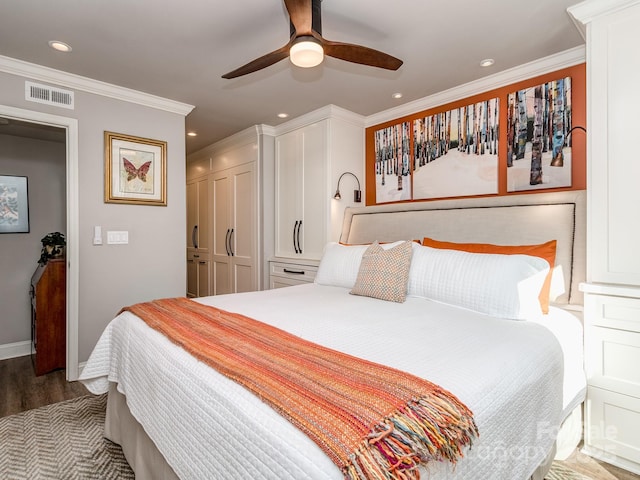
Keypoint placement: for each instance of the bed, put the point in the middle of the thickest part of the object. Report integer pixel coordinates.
(175, 417)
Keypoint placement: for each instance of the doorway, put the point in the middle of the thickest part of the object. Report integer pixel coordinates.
(70, 125)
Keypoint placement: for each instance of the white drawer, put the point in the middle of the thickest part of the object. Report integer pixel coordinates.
(613, 423)
(293, 271)
(613, 360)
(281, 282)
(197, 257)
(613, 312)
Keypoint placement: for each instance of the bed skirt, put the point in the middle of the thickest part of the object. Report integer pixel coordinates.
(142, 454)
(148, 463)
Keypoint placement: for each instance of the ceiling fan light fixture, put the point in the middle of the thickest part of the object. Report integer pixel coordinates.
(306, 52)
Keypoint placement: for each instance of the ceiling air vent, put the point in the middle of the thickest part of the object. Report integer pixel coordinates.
(37, 92)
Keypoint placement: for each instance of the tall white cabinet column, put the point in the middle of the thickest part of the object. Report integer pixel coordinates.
(198, 234)
(612, 290)
(311, 152)
(235, 172)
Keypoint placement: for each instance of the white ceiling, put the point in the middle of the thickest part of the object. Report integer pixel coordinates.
(180, 49)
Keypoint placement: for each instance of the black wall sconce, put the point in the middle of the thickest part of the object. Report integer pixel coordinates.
(357, 194)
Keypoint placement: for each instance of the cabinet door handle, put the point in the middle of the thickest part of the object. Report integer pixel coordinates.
(194, 236)
(295, 272)
(298, 236)
(202, 262)
(295, 227)
(226, 242)
(231, 243)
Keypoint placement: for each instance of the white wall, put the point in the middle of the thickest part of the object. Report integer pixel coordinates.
(152, 265)
(43, 163)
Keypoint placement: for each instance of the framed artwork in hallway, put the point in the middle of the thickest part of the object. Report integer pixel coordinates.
(14, 204)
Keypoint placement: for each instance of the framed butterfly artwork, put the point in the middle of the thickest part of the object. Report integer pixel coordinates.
(135, 170)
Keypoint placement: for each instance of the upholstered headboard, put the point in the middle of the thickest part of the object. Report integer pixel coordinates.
(506, 220)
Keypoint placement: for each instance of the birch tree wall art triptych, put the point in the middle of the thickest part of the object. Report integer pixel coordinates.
(516, 138)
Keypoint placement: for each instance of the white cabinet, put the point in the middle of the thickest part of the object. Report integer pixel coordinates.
(234, 230)
(612, 291)
(282, 274)
(612, 343)
(614, 103)
(230, 197)
(198, 274)
(310, 155)
(198, 234)
(300, 187)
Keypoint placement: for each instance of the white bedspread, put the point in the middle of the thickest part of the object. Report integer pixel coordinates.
(509, 373)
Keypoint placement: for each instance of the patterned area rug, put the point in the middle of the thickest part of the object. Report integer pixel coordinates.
(64, 441)
(560, 472)
(61, 441)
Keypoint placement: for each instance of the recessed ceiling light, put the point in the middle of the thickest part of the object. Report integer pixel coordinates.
(60, 46)
(283, 115)
(397, 95)
(192, 134)
(487, 62)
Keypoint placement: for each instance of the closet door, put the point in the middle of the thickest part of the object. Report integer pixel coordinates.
(192, 213)
(221, 183)
(198, 227)
(315, 199)
(243, 228)
(198, 214)
(234, 230)
(289, 193)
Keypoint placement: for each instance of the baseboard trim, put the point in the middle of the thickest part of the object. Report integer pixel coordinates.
(13, 350)
(81, 366)
(612, 459)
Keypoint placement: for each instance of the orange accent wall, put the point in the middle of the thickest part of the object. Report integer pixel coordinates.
(578, 141)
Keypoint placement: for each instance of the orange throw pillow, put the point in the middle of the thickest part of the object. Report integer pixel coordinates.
(547, 251)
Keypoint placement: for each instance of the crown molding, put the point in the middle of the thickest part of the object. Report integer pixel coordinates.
(247, 136)
(565, 59)
(77, 82)
(264, 129)
(328, 111)
(585, 12)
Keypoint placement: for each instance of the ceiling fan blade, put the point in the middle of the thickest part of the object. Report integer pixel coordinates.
(260, 63)
(300, 15)
(359, 54)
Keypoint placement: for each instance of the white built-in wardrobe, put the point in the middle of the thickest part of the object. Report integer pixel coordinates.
(612, 290)
(260, 205)
(226, 206)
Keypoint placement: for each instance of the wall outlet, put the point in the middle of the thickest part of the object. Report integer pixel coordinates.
(118, 238)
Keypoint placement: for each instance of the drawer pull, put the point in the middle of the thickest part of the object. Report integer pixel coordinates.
(295, 272)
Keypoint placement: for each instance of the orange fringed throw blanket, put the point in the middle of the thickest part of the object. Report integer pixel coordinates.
(373, 421)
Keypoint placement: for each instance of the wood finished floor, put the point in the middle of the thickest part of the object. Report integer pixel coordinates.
(596, 470)
(21, 390)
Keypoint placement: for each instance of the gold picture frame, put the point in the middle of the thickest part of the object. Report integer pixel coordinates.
(135, 170)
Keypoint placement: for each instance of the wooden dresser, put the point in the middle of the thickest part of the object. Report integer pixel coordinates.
(48, 316)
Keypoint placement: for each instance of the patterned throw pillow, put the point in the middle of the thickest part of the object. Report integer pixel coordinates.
(384, 273)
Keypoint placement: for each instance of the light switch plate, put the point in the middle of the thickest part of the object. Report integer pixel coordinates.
(117, 237)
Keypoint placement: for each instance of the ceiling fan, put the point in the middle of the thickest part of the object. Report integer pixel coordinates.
(307, 47)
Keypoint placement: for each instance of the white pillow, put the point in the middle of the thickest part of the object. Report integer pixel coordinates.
(340, 263)
(505, 286)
